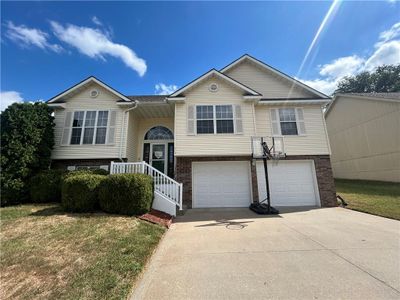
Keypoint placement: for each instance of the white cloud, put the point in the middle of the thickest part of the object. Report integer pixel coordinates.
(27, 37)
(390, 34)
(163, 89)
(326, 86)
(96, 21)
(386, 52)
(9, 97)
(342, 66)
(97, 44)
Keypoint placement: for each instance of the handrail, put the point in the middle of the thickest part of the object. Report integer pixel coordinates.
(163, 184)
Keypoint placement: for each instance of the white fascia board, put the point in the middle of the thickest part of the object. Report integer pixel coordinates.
(125, 103)
(252, 98)
(280, 102)
(176, 99)
(57, 105)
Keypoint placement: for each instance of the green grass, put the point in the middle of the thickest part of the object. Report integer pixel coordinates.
(374, 197)
(47, 254)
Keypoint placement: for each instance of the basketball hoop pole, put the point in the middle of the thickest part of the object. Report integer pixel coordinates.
(265, 158)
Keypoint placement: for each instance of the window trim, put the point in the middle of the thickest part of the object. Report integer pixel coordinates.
(83, 127)
(214, 119)
(297, 122)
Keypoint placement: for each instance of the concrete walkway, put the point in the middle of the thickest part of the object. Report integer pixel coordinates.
(329, 253)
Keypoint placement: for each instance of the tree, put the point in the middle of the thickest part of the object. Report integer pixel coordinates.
(27, 137)
(384, 79)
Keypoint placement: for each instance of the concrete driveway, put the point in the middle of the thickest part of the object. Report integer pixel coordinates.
(328, 253)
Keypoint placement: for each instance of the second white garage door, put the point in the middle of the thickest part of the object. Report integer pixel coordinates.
(221, 184)
(292, 183)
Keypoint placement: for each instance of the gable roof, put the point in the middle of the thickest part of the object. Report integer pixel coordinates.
(84, 83)
(214, 72)
(273, 70)
(386, 97)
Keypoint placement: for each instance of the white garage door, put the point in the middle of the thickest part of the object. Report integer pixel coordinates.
(221, 184)
(292, 183)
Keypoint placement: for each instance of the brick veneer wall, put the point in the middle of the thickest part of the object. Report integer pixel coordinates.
(64, 163)
(323, 171)
(322, 164)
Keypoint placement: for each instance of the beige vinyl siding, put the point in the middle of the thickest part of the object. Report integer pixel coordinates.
(265, 82)
(82, 101)
(213, 144)
(131, 146)
(365, 139)
(135, 144)
(314, 142)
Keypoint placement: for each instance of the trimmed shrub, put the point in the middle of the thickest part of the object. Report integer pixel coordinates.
(46, 186)
(128, 194)
(79, 193)
(86, 171)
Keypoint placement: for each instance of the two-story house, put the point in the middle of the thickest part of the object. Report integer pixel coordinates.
(201, 135)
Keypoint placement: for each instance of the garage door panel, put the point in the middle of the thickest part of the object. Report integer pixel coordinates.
(291, 182)
(221, 184)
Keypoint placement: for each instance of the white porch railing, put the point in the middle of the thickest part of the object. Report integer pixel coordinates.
(166, 186)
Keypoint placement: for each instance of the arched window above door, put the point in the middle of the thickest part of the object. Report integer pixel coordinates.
(159, 133)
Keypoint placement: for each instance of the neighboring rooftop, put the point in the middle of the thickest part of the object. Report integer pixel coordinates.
(375, 95)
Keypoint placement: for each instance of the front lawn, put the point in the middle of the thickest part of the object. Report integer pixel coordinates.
(48, 254)
(374, 197)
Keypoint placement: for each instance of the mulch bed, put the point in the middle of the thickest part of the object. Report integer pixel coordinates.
(158, 217)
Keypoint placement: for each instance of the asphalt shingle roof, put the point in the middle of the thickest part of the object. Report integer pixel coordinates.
(379, 95)
(148, 98)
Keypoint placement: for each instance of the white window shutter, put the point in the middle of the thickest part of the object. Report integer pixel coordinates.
(301, 128)
(275, 124)
(111, 127)
(238, 120)
(67, 128)
(191, 120)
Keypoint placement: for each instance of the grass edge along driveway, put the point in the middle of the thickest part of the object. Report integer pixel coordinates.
(373, 197)
(48, 254)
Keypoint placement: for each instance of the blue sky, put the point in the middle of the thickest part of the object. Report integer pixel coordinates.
(138, 46)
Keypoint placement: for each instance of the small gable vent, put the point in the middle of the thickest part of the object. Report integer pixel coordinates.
(94, 93)
(213, 87)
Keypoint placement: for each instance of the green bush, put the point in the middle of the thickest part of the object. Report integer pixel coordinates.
(79, 193)
(128, 194)
(46, 186)
(26, 143)
(86, 171)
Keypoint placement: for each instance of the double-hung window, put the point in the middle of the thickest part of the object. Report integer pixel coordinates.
(224, 118)
(205, 119)
(77, 125)
(287, 119)
(214, 119)
(89, 127)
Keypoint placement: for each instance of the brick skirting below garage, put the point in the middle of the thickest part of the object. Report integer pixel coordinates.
(322, 164)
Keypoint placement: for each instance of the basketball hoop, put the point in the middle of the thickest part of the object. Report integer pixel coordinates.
(266, 148)
(270, 147)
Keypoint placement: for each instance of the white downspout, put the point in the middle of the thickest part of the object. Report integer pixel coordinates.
(122, 130)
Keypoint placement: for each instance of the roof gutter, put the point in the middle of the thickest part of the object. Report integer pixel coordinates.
(279, 102)
(123, 131)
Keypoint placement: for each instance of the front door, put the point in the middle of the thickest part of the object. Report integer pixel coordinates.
(158, 157)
